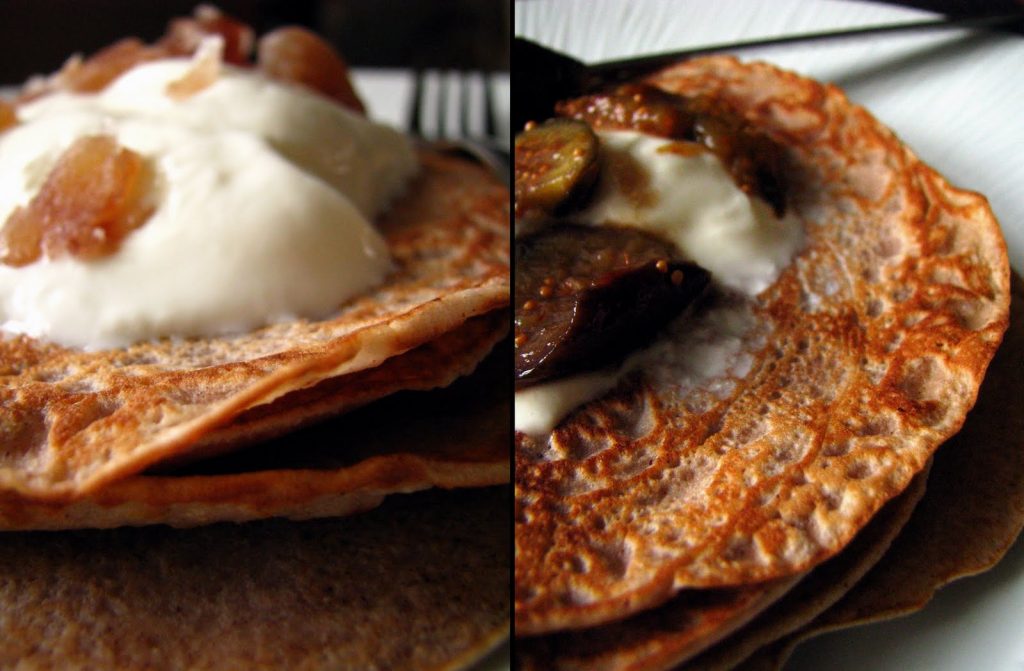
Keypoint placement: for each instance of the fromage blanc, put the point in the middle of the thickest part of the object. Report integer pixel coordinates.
(262, 198)
(686, 195)
(690, 198)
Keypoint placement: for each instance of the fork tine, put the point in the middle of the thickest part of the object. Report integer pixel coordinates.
(465, 93)
(443, 94)
(490, 124)
(416, 108)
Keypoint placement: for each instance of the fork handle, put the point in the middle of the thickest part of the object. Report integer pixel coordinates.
(627, 68)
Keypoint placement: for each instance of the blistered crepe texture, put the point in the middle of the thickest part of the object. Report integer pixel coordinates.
(861, 359)
(972, 511)
(972, 514)
(413, 439)
(71, 421)
(434, 364)
(822, 587)
(420, 583)
(694, 620)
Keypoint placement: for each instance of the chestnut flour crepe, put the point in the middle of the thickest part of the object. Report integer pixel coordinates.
(694, 620)
(865, 355)
(420, 437)
(73, 421)
(420, 583)
(972, 514)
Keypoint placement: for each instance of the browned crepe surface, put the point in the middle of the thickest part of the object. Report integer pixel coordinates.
(971, 515)
(434, 364)
(72, 421)
(451, 437)
(825, 585)
(694, 620)
(421, 583)
(656, 639)
(868, 353)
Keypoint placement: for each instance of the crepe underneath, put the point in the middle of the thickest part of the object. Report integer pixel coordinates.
(456, 436)
(972, 514)
(73, 421)
(681, 630)
(374, 591)
(969, 516)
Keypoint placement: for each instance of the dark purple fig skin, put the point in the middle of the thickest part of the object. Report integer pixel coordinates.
(613, 290)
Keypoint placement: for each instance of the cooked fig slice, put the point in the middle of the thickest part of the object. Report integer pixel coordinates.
(636, 107)
(556, 163)
(753, 159)
(588, 296)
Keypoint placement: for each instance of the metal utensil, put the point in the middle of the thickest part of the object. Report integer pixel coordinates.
(542, 76)
(455, 112)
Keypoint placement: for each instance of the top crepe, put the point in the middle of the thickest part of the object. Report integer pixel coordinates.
(860, 360)
(71, 421)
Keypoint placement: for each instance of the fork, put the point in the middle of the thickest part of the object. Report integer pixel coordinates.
(455, 112)
(542, 75)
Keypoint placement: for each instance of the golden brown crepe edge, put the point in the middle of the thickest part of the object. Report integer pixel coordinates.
(98, 414)
(983, 341)
(937, 546)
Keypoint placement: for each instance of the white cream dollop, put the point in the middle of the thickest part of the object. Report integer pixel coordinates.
(690, 199)
(263, 199)
(687, 197)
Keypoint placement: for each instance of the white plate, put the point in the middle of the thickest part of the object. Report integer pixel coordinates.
(388, 95)
(956, 100)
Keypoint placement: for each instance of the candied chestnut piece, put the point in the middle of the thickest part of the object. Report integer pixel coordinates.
(296, 55)
(184, 35)
(588, 296)
(8, 117)
(556, 164)
(92, 199)
(96, 72)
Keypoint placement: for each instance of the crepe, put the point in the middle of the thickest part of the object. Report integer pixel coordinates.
(970, 514)
(866, 355)
(421, 583)
(451, 437)
(694, 620)
(970, 517)
(73, 421)
(434, 364)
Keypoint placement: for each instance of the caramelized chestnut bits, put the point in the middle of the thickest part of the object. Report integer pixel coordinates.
(587, 296)
(92, 199)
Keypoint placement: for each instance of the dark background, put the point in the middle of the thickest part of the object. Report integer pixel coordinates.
(36, 36)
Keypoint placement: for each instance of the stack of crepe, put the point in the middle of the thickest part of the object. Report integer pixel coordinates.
(663, 527)
(190, 432)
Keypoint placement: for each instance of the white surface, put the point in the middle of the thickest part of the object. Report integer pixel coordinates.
(388, 95)
(957, 101)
